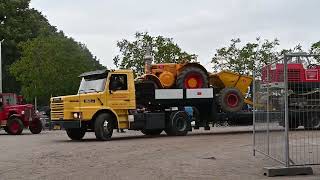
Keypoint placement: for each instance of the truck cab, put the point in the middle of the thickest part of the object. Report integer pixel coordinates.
(103, 94)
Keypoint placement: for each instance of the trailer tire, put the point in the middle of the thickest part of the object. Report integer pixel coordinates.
(35, 127)
(231, 100)
(195, 74)
(76, 133)
(151, 132)
(103, 127)
(178, 124)
(15, 126)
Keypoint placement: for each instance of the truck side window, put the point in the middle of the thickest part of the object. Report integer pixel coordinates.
(118, 82)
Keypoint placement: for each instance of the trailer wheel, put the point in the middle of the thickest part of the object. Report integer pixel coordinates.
(103, 127)
(191, 78)
(15, 126)
(36, 126)
(178, 124)
(231, 100)
(76, 133)
(152, 132)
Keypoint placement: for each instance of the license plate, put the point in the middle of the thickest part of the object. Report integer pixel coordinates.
(56, 127)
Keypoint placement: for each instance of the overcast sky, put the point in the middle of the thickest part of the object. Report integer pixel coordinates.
(198, 26)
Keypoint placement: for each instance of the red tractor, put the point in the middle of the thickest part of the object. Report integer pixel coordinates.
(303, 89)
(15, 115)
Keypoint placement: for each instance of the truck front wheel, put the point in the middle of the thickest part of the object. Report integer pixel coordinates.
(103, 127)
(76, 133)
(178, 124)
(15, 126)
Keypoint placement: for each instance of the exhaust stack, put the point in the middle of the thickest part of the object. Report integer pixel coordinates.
(148, 61)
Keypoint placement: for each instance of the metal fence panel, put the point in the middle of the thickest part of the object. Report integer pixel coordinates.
(269, 111)
(287, 110)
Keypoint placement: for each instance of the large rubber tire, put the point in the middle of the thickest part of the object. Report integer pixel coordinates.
(194, 73)
(231, 100)
(178, 124)
(15, 126)
(103, 127)
(152, 132)
(76, 133)
(36, 126)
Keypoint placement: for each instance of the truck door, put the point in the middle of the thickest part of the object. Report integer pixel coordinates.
(119, 94)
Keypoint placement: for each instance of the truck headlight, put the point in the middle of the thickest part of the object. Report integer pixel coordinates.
(22, 112)
(76, 115)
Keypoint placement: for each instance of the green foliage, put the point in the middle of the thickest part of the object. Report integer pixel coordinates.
(50, 65)
(18, 23)
(243, 59)
(164, 50)
(315, 49)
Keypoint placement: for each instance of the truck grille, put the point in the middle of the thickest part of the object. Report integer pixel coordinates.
(57, 110)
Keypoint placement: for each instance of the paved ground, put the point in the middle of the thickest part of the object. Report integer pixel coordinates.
(200, 155)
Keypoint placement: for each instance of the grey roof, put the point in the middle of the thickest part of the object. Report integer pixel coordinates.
(92, 73)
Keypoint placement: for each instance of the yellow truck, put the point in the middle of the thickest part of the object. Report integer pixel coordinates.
(111, 99)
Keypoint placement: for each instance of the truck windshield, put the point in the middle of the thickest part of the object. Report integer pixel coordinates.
(91, 85)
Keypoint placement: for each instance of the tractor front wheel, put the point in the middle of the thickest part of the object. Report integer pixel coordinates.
(35, 126)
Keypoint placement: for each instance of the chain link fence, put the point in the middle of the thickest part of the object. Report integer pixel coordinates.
(287, 110)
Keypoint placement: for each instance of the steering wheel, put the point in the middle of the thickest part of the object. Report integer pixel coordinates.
(312, 66)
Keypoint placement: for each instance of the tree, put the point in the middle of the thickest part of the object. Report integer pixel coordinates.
(50, 65)
(245, 58)
(18, 23)
(164, 50)
(315, 49)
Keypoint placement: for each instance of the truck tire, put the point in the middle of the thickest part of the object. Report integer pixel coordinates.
(103, 127)
(76, 133)
(15, 126)
(178, 124)
(35, 127)
(231, 100)
(152, 132)
(191, 78)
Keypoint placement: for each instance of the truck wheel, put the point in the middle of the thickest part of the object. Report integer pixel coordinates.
(103, 127)
(191, 78)
(152, 132)
(76, 133)
(178, 124)
(15, 126)
(36, 126)
(231, 100)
